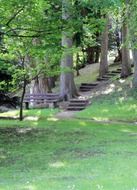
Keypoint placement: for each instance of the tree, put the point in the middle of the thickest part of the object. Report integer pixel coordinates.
(133, 37)
(67, 85)
(126, 64)
(104, 50)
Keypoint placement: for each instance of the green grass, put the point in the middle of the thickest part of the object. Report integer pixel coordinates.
(111, 110)
(87, 78)
(40, 113)
(45, 153)
(32, 118)
(72, 154)
(121, 105)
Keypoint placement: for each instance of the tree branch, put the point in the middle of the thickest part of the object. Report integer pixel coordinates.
(14, 16)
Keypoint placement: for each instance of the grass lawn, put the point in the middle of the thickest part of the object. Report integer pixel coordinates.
(45, 153)
(67, 155)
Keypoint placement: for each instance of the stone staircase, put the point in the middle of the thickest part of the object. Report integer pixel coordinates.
(104, 78)
(81, 103)
(111, 74)
(116, 72)
(77, 104)
(85, 87)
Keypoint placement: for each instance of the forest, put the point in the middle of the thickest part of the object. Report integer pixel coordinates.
(68, 94)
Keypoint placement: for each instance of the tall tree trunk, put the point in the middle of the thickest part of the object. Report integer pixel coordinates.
(104, 50)
(118, 43)
(22, 98)
(135, 66)
(77, 65)
(67, 85)
(126, 65)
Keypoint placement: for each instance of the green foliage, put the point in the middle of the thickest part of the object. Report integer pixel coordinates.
(133, 24)
(32, 31)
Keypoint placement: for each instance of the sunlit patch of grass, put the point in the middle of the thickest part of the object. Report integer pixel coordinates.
(117, 105)
(125, 110)
(13, 113)
(31, 113)
(88, 78)
(57, 164)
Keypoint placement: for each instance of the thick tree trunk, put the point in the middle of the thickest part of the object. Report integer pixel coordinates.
(40, 85)
(135, 66)
(104, 51)
(51, 82)
(126, 65)
(35, 86)
(67, 85)
(44, 85)
(118, 43)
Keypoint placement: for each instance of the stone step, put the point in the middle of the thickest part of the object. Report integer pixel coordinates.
(119, 69)
(116, 72)
(111, 74)
(76, 108)
(105, 76)
(87, 86)
(85, 90)
(102, 79)
(79, 104)
(79, 100)
(90, 84)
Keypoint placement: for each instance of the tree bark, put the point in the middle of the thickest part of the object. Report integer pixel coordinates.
(135, 66)
(104, 50)
(22, 98)
(40, 85)
(126, 65)
(67, 85)
(51, 82)
(77, 65)
(118, 43)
